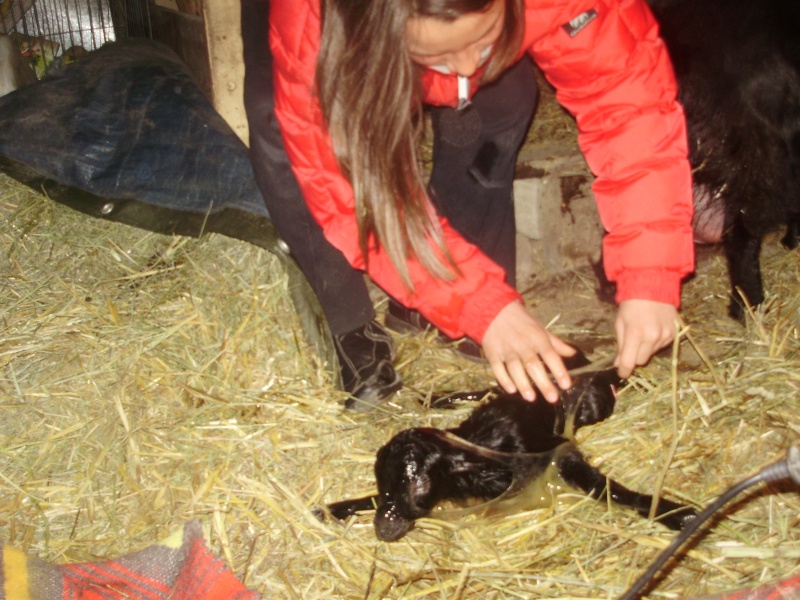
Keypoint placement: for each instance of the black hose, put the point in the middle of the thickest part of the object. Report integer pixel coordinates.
(785, 468)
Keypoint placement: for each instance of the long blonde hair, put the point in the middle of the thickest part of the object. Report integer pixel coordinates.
(371, 98)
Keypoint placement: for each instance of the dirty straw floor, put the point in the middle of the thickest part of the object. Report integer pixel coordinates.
(147, 380)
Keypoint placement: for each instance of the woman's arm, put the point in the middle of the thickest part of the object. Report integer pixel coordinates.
(615, 76)
(612, 71)
(464, 306)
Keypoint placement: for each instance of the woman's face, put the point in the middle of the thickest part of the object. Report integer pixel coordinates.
(459, 46)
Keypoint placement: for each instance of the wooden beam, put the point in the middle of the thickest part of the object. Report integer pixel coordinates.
(14, 13)
(224, 41)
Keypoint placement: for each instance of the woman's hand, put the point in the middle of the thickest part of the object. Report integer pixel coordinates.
(643, 327)
(518, 348)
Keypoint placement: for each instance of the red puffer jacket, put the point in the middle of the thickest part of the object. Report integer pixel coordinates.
(610, 70)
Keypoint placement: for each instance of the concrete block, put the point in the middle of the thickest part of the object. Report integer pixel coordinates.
(558, 228)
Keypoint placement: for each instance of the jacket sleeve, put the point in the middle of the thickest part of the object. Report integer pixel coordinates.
(464, 306)
(614, 75)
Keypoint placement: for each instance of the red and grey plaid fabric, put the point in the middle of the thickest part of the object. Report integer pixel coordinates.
(788, 589)
(182, 569)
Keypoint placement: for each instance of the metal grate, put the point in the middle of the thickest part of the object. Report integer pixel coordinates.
(51, 32)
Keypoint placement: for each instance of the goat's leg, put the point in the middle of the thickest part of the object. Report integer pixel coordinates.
(791, 240)
(742, 250)
(578, 473)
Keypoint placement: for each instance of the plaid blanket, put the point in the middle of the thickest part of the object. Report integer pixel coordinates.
(788, 589)
(183, 568)
(179, 568)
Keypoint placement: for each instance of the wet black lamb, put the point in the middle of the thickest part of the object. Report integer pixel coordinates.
(504, 447)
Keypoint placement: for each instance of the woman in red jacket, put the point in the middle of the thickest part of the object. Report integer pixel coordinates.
(335, 106)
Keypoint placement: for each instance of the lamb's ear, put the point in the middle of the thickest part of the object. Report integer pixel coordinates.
(419, 486)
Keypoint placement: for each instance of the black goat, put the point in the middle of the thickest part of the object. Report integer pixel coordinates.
(738, 68)
(503, 447)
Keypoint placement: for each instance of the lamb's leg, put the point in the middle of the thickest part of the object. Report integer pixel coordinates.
(345, 508)
(577, 472)
(454, 399)
(742, 250)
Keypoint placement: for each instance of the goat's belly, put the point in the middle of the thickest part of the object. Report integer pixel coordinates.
(709, 218)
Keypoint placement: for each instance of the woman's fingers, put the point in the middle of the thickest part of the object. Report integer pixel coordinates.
(504, 379)
(628, 349)
(643, 327)
(515, 376)
(519, 372)
(537, 372)
(520, 352)
(554, 359)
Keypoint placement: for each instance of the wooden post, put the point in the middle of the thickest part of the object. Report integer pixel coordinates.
(224, 41)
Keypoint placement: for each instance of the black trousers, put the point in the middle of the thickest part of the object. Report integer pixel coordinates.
(474, 155)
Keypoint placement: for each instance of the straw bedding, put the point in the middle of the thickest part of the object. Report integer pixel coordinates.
(147, 380)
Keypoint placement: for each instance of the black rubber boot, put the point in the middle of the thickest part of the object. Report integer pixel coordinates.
(404, 320)
(366, 358)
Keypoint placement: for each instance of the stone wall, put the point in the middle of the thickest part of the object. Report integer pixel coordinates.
(558, 228)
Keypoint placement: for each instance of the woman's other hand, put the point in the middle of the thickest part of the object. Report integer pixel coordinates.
(643, 327)
(520, 350)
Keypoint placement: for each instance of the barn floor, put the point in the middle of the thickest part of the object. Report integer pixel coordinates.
(148, 380)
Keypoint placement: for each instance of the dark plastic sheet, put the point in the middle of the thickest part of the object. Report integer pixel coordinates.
(126, 135)
(128, 123)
